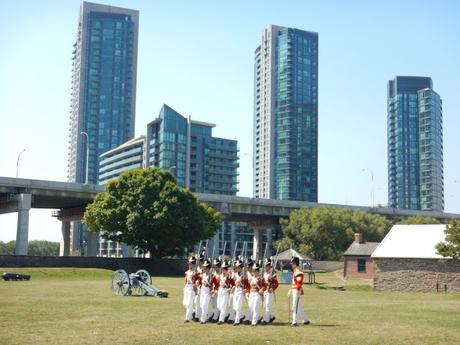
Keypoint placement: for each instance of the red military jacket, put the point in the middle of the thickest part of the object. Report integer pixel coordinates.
(297, 280)
(271, 281)
(257, 284)
(215, 282)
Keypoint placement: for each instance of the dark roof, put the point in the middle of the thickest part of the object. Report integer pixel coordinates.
(363, 248)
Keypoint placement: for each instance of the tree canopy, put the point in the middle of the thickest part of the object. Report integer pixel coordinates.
(419, 220)
(325, 233)
(451, 247)
(36, 248)
(146, 209)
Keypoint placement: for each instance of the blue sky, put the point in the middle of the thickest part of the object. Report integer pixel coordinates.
(197, 57)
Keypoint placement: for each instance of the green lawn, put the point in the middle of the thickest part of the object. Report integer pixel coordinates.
(75, 306)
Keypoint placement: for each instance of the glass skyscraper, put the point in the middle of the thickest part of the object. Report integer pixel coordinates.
(200, 162)
(286, 115)
(103, 99)
(415, 145)
(104, 66)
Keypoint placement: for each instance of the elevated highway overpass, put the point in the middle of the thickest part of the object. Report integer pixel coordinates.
(70, 199)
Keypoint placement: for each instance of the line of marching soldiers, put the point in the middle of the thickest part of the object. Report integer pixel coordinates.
(214, 292)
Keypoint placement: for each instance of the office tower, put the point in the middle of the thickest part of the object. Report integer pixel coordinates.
(415, 146)
(286, 115)
(200, 162)
(104, 66)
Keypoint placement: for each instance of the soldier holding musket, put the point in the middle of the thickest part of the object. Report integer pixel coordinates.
(271, 283)
(297, 292)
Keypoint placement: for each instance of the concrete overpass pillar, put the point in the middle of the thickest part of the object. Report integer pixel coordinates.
(65, 228)
(92, 244)
(257, 251)
(22, 233)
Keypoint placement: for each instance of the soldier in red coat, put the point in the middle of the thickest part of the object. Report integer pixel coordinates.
(257, 288)
(297, 293)
(190, 289)
(271, 283)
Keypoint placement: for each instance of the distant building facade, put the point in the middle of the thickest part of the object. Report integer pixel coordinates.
(415, 145)
(358, 262)
(186, 147)
(200, 162)
(286, 115)
(104, 69)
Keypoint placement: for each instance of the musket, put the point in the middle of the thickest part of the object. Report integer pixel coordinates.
(223, 251)
(199, 248)
(206, 250)
(276, 258)
(265, 251)
(234, 253)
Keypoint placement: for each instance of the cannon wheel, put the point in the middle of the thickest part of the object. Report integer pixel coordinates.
(144, 276)
(120, 283)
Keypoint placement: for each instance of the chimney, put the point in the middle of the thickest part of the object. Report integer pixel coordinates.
(358, 237)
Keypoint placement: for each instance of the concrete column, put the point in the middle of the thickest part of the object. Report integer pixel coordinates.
(257, 244)
(92, 244)
(22, 233)
(65, 228)
(75, 232)
(233, 236)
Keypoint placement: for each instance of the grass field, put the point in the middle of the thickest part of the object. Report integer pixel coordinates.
(75, 306)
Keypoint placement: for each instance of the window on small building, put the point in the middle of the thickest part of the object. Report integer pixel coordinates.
(362, 265)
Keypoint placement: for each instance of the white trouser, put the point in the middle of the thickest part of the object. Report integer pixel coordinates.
(297, 310)
(249, 310)
(189, 297)
(213, 312)
(255, 301)
(197, 305)
(205, 297)
(269, 297)
(231, 315)
(238, 296)
(222, 301)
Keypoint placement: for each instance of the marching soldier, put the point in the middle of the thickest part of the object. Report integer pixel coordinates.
(247, 289)
(189, 289)
(297, 292)
(238, 292)
(223, 292)
(271, 283)
(199, 270)
(205, 291)
(257, 288)
(214, 312)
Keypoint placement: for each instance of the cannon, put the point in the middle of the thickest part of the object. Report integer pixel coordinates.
(134, 284)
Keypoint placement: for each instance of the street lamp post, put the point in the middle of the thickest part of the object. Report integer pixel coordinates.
(372, 180)
(87, 155)
(17, 162)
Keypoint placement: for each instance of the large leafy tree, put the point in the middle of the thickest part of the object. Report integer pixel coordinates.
(451, 247)
(419, 220)
(325, 233)
(146, 209)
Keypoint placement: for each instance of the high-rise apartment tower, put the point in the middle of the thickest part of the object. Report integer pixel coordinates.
(285, 153)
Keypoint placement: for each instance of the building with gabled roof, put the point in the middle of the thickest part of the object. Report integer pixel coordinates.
(407, 260)
(358, 262)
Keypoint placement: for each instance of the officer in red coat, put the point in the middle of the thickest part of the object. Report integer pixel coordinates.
(297, 293)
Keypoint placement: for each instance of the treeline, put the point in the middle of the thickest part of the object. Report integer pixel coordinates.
(36, 248)
(324, 233)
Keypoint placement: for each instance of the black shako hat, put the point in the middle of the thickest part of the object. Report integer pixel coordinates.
(295, 260)
(192, 260)
(207, 264)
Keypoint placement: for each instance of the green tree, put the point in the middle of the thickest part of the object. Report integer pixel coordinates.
(43, 248)
(324, 233)
(146, 209)
(419, 220)
(36, 248)
(451, 247)
(7, 248)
